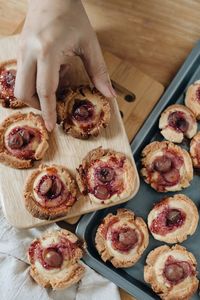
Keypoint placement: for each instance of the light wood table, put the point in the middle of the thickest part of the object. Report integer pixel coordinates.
(154, 35)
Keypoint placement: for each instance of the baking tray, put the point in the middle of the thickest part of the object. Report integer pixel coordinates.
(131, 279)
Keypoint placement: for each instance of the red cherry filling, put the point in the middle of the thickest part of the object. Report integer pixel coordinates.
(177, 120)
(198, 94)
(176, 271)
(52, 257)
(50, 186)
(7, 78)
(105, 174)
(163, 164)
(102, 192)
(124, 239)
(82, 110)
(167, 221)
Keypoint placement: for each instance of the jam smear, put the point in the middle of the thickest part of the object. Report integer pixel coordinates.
(177, 120)
(167, 221)
(83, 110)
(124, 239)
(7, 82)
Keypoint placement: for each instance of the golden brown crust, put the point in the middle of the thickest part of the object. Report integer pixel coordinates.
(99, 154)
(120, 260)
(170, 133)
(9, 159)
(191, 99)
(178, 201)
(93, 95)
(49, 213)
(72, 272)
(182, 291)
(15, 103)
(187, 169)
(193, 153)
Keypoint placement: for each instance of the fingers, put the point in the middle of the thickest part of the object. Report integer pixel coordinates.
(47, 83)
(25, 82)
(96, 68)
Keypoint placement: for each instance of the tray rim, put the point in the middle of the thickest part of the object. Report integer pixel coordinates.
(135, 146)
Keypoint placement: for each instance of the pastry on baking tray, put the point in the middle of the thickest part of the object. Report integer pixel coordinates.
(166, 167)
(173, 219)
(171, 272)
(122, 238)
(50, 192)
(84, 112)
(177, 122)
(195, 150)
(192, 98)
(23, 139)
(106, 176)
(54, 259)
(8, 71)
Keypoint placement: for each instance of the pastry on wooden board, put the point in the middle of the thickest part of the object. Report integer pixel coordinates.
(172, 272)
(177, 122)
(23, 139)
(122, 238)
(50, 192)
(54, 259)
(106, 176)
(166, 166)
(83, 112)
(173, 219)
(192, 98)
(195, 150)
(8, 71)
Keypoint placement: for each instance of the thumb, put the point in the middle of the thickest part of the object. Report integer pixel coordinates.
(96, 68)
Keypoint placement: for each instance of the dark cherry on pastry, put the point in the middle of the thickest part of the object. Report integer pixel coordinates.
(8, 71)
(54, 259)
(195, 150)
(23, 139)
(173, 219)
(122, 238)
(166, 167)
(192, 98)
(172, 272)
(177, 122)
(84, 112)
(50, 192)
(106, 176)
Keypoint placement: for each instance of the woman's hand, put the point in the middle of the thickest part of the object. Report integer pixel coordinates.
(53, 31)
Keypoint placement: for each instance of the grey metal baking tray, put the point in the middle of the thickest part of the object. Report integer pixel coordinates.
(131, 279)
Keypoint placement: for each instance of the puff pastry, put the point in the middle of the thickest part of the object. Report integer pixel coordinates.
(177, 122)
(122, 238)
(106, 176)
(171, 272)
(195, 150)
(50, 192)
(8, 71)
(84, 112)
(54, 259)
(173, 219)
(192, 98)
(166, 167)
(23, 139)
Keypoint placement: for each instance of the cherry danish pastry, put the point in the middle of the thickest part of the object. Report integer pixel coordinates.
(54, 259)
(192, 99)
(177, 122)
(84, 112)
(171, 272)
(166, 167)
(195, 150)
(50, 192)
(23, 139)
(122, 238)
(8, 71)
(106, 176)
(173, 219)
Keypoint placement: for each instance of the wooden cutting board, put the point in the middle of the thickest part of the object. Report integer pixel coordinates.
(69, 151)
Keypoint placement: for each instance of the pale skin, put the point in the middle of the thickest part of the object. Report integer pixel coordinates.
(54, 31)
